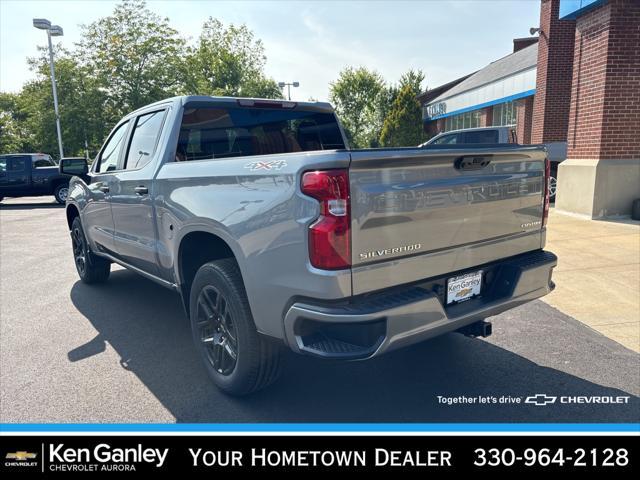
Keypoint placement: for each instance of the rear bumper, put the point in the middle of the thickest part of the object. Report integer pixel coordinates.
(375, 324)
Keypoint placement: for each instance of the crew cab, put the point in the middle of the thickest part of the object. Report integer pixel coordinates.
(277, 235)
(32, 175)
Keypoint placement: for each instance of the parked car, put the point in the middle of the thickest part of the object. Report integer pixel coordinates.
(277, 235)
(32, 174)
(556, 151)
(474, 135)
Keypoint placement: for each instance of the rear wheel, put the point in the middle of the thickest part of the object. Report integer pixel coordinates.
(61, 192)
(91, 268)
(238, 359)
(553, 184)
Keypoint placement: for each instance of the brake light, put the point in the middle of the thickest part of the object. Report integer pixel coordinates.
(249, 102)
(330, 234)
(547, 179)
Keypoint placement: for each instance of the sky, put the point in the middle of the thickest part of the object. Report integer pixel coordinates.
(306, 41)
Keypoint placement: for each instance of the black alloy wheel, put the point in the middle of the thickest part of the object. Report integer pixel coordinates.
(217, 330)
(237, 358)
(79, 250)
(91, 268)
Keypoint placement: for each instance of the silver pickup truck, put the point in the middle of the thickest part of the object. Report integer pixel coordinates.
(275, 234)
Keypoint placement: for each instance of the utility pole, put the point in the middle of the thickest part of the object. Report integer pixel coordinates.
(288, 85)
(52, 31)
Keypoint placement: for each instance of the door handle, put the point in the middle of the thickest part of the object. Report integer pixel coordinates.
(141, 190)
(104, 188)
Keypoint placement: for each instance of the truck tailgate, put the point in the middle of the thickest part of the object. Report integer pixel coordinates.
(420, 213)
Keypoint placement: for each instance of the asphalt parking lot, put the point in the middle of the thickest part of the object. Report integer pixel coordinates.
(122, 352)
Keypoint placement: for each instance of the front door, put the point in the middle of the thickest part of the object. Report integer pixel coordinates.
(131, 200)
(4, 177)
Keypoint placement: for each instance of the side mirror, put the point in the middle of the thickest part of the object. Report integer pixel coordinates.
(74, 166)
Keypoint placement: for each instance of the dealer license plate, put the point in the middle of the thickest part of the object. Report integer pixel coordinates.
(464, 287)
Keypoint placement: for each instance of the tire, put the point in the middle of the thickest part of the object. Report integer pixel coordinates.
(90, 267)
(61, 192)
(553, 185)
(635, 209)
(238, 359)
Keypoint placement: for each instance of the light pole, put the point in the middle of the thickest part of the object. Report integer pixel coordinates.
(288, 85)
(52, 31)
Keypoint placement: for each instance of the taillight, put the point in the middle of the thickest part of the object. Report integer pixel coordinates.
(330, 234)
(547, 179)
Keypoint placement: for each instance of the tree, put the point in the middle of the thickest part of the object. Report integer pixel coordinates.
(11, 135)
(124, 61)
(387, 97)
(413, 79)
(355, 95)
(135, 56)
(227, 61)
(81, 101)
(403, 125)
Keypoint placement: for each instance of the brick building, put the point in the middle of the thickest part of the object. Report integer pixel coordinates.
(576, 83)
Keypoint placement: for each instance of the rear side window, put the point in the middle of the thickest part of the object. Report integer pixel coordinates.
(144, 139)
(482, 136)
(111, 151)
(212, 132)
(17, 164)
(3, 164)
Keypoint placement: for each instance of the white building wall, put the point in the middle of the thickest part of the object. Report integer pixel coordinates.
(515, 84)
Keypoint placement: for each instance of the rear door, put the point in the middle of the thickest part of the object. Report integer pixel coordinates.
(18, 175)
(96, 216)
(131, 197)
(418, 214)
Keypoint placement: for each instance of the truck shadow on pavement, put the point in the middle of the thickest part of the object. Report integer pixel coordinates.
(145, 324)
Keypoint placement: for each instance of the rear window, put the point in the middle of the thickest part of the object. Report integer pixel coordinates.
(211, 132)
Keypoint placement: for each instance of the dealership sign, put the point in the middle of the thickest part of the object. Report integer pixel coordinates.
(436, 109)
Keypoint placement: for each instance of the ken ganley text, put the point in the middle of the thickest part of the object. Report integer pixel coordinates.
(262, 457)
(103, 457)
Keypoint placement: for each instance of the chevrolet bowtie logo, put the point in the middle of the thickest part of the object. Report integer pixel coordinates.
(540, 399)
(21, 456)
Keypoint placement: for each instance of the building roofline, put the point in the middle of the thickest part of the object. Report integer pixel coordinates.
(439, 90)
(443, 96)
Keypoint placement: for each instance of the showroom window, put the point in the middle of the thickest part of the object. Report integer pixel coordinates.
(504, 114)
(463, 120)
